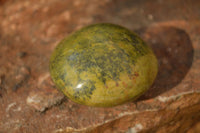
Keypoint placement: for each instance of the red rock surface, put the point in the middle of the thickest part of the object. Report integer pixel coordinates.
(30, 30)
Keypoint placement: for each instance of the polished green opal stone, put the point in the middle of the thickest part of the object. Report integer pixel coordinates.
(103, 65)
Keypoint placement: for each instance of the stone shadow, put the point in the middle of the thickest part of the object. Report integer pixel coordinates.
(174, 51)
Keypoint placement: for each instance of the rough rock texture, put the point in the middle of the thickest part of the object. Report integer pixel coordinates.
(30, 30)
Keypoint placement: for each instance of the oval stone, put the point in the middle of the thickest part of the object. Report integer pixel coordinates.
(103, 65)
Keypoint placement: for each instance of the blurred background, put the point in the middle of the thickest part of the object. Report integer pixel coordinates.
(31, 29)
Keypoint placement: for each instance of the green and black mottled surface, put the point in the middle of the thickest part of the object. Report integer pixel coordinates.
(103, 65)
